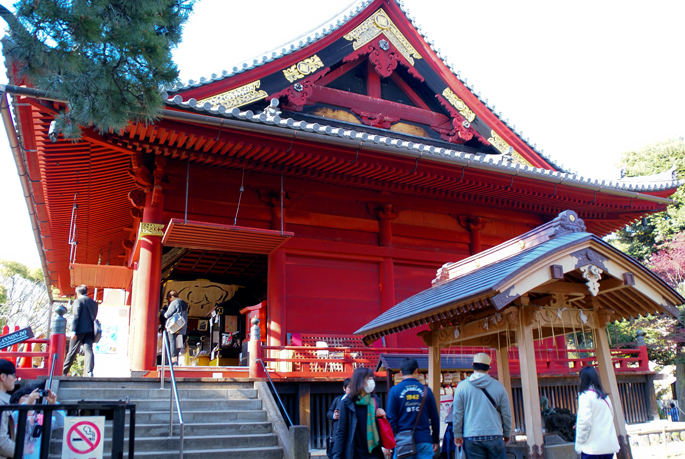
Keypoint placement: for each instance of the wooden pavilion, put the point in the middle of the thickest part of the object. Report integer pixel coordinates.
(325, 181)
(552, 280)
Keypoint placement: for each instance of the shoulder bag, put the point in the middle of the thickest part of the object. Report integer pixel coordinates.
(97, 327)
(176, 321)
(385, 431)
(405, 445)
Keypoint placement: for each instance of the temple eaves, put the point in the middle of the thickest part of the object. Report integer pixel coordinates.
(426, 151)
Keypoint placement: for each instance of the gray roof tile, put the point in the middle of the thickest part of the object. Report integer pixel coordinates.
(477, 283)
(499, 163)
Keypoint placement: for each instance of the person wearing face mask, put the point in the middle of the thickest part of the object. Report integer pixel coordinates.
(357, 435)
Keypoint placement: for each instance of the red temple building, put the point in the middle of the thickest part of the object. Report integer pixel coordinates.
(314, 187)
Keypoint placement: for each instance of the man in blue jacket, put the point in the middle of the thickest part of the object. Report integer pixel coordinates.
(404, 403)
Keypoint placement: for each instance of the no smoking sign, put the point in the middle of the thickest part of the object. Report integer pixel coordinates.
(83, 437)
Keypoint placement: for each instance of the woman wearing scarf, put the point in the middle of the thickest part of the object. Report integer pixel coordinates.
(357, 436)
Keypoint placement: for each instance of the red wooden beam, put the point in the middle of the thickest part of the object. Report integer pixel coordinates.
(349, 100)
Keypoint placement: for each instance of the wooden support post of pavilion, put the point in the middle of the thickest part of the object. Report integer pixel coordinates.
(529, 381)
(434, 368)
(605, 368)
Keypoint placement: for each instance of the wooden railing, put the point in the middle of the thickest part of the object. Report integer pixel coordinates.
(331, 362)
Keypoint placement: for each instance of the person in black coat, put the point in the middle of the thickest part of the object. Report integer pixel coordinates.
(333, 415)
(353, 438)
(85, 311)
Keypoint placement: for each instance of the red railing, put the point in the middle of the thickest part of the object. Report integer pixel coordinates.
(310, 361)
(33, 357)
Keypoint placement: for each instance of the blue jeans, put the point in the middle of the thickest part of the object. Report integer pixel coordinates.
(423, 451)
(485, 449)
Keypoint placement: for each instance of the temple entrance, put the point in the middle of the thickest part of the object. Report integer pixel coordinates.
(221, 271)
(221, 289)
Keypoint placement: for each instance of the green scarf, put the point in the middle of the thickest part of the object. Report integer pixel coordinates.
(372, 437)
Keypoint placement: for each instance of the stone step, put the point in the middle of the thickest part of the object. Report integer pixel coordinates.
(194, 416)
(197, 405)
(272, 452)
(149, 383)
(191, 429)
(194, 442)
(106, 393)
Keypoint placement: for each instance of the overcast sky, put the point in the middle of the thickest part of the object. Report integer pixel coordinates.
(585, 80)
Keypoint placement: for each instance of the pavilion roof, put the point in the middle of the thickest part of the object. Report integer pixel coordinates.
(468, 288)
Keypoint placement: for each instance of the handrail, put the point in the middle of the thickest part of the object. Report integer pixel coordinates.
(174, 392)
(278, 397)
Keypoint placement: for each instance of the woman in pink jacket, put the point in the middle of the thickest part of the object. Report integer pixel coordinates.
(595, 431)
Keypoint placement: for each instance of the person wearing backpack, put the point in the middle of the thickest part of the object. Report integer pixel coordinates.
(595, 431)
(85, 311)
(481, 413)
(177, 339)
(409, 412)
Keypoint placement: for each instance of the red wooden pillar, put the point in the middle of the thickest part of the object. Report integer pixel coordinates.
(276, 302)
(145, 312)
(474, 225)
(388, 293)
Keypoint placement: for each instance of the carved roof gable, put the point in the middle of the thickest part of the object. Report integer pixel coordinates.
(373, 67)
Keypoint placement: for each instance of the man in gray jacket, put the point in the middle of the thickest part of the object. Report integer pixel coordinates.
(481, 413)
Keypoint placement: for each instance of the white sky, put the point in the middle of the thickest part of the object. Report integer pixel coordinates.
(585, 80)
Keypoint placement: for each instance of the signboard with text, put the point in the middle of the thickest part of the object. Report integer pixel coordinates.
(84, 437)
(15, 338)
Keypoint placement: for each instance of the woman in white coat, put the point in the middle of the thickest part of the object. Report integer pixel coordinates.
(595, 431)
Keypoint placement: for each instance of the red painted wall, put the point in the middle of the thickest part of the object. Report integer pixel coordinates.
(409, 280)
(328, 295)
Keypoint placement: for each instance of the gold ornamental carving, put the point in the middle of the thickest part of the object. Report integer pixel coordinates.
(237, 97)
(499, 143)
(303, 68)
(379, 23)
(151, 229)
(459, 104)
(503, 147)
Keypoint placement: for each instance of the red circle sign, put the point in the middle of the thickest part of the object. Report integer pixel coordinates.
(86, 435)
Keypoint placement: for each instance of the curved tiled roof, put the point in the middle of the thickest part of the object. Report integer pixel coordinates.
(347, 14)
(491, 162)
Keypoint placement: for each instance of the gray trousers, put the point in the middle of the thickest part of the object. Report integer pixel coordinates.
(85, 339)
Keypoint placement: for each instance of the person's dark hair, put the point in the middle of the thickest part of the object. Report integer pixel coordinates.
(409, 366)
(19, 393)
(171, 294)
(672, 405)
(82, 289)
(589, 379)
(346, 383)
(7, 367)
(357, 381)
(481, 367)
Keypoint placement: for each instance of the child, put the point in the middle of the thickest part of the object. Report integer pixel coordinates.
(34, 419)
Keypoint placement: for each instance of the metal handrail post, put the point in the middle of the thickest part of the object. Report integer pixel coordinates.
(278, 397)
(174, 396)
(161, 385)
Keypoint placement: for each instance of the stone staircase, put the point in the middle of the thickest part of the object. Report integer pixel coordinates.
(222, 419)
